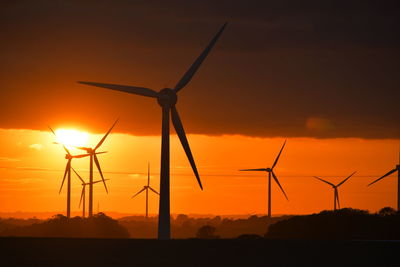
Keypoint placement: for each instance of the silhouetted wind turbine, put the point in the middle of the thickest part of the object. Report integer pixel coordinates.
(271, 173)
(93, 157)
(83, 193)
(167, 99)
(335, 189)
(147, 188)
(397, 168)
(67, 173)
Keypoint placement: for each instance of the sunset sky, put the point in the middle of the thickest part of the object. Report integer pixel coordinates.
(324, 76)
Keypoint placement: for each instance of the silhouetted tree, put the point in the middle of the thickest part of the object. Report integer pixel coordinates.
(387, 211)
(206, 232)
(340, 224)
(99, 225)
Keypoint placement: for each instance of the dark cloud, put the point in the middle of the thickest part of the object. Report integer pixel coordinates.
(282, 68)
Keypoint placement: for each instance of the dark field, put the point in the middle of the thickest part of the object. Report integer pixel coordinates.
(193, 252)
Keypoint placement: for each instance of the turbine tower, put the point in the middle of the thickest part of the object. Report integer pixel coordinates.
(335, 189)
(396, 169)
(167, 99)
(83, 193)
(93, 157)
(270, 172)
(147, 188)
(67, 173)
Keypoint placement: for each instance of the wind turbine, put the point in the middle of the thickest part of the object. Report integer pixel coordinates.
(147, 188)
(167, 99)
(83, 193)
(93, 157)
(335, 189)
(397, 168)
(67, 173)
(271, 173)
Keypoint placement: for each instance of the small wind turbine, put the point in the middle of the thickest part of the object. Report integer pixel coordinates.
(396, 169)
(67, 173)
(147, 188)
(271, 173)
(92, 153)
(167, 99)
(83, 193)
(335, 189)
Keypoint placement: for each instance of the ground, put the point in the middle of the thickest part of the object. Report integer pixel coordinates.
(193, 252)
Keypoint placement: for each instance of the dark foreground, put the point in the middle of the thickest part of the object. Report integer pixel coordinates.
(234, 252)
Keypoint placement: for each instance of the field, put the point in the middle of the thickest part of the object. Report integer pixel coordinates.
(193, 252)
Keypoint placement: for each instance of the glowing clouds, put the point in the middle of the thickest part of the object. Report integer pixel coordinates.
(36, 146)
(319, 124)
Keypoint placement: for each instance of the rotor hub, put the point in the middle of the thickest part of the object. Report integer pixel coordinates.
(269, 170)
(167, 97)
(68, 156)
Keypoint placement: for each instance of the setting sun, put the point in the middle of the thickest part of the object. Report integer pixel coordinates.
(70, 137)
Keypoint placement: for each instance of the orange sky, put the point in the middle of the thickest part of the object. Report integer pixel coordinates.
(32, 167)
(327, 82)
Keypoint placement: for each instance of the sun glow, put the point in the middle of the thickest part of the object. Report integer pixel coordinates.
(70, 137)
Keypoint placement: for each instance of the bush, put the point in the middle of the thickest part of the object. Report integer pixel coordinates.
(206, 232)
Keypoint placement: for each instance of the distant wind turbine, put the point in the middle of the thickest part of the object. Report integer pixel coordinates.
(167, 99)
(335, 189)
(67, 173)
(271, 173)
(147, 188)
(396, 169)
(83, 193)
(92, 153)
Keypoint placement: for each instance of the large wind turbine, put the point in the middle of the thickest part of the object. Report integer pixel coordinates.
(397, 168)
(335, 189)
(83, 193)
(147, 188)
(93, 157)
(271, 173)
(67, 173)
(167, 99)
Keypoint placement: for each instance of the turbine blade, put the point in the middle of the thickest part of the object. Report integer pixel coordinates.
(105, 136)
(82, 194)
(125, 88)
(342, 182)
(101, 173)
(153, 190)
(324, 181)
(251, 170)
(80, 178)
(80, 156)
(277, 158)
(66, 150)
(182, 137)
(277, 181)
(192, 70)
(138, 193)
(51, 129)
(95, 182)
(67, 168)
(387, 174)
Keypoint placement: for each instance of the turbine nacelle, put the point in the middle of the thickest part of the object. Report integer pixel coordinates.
(268, 170)
(167, 98)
